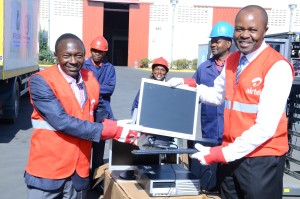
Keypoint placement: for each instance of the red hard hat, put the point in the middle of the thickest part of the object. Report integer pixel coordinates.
(160, 61)
(99, 43)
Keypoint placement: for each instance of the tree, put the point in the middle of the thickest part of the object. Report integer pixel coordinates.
(46, 56)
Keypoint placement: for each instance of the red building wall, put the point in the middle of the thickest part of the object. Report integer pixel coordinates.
(224, 14)
(139, 16)
(93, 13)
(138, 41)
(138, 36)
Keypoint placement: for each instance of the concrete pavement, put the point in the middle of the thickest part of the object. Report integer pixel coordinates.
(15, 138)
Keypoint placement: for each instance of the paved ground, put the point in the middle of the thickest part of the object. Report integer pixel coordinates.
(15, 139)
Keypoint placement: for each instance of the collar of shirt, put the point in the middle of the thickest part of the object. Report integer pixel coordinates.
(70, 79)
(77, 87)
(219, 65)
(251, 56)
(100, 65)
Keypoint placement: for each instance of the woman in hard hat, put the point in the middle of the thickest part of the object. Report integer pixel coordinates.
(159, 72)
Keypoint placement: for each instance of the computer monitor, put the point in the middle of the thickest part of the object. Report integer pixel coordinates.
(162, 111)
(121, 158)
(172, 112)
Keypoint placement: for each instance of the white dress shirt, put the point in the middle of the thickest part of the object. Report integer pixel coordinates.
(272, 103)
(77, 87)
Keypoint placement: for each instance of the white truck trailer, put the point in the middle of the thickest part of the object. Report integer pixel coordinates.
(19, 23)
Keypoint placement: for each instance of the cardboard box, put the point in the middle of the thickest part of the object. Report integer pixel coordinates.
(117, 188)
(99, 174)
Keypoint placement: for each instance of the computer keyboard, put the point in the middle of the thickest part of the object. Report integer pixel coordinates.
(164, 151)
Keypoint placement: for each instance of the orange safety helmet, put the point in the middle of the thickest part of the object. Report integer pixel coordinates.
(99, 43)
(160, 61)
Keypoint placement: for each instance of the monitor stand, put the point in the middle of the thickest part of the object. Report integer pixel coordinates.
(156, 141)
(161, 142)
(127, 175)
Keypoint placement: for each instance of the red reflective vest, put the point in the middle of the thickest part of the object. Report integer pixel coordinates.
(55, 155)
(241, 102)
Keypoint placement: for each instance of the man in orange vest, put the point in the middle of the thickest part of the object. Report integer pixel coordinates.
(66, 102)
(255, 86)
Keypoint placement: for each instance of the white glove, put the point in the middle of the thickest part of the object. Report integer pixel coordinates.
(120, 131)
(175, 81)
(128, 125)
(124, 122)
(131, 131)
(203, 151)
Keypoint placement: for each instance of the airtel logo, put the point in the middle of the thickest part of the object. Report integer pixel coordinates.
(256, 81)
(93, 101)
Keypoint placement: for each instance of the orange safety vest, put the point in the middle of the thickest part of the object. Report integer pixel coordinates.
(241, 102)
(53, 154)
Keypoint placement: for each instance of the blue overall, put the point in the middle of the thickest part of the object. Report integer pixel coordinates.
(212, 126)
(106, 76)
(212, 121)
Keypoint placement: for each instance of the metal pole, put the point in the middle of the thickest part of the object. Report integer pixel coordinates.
(292, 8)
(173, 2)
(49, 24)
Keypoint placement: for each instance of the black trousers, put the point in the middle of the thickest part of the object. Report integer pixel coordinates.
(252, 178)
(206, 173)
(97, 155)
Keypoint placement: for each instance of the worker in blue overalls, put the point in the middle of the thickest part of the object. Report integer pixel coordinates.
(212, 123)
(106, 75)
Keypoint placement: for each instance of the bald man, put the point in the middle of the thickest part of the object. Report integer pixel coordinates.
(255, 86)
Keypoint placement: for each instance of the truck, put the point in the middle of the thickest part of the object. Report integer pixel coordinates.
(19, 52)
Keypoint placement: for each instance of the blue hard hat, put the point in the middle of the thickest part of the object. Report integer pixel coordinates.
(222, 29)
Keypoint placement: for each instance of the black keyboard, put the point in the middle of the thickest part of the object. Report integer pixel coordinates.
(164, 151)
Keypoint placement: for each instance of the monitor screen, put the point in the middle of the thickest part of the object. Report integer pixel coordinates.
(121, 158)
(162, 111)
(167, 111)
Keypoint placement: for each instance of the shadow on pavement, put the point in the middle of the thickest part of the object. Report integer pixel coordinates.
(8, 130)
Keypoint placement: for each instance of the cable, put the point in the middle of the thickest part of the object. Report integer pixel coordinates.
(162, 144)
(208, 170)
(175, 177)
